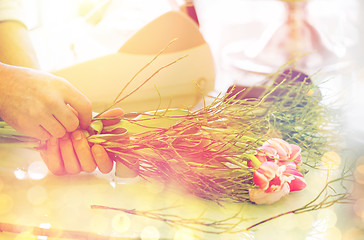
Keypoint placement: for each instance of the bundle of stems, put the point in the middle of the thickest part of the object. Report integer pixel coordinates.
(206, 151)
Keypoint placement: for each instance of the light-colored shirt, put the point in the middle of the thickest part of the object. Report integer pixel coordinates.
(12, 10)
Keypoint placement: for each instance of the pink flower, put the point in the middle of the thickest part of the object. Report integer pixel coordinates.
(269, 176)
(296, 182)
(272, 184)
(280, 152)
(275, 182)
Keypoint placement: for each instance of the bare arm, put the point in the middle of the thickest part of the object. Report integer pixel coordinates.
(35, 102)
(15, 45)
(45, 106)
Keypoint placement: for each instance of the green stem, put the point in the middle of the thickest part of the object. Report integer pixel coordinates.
(253, 139)
(254, 160)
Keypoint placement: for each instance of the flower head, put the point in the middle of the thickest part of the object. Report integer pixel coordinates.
(280, 152)
(274, 182)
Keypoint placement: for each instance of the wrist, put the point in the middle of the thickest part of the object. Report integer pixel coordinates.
(6, 84)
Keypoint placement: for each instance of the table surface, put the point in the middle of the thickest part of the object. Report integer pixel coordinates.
(31, 196)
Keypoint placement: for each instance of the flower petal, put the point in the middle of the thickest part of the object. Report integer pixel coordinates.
(269, 169)
(266, 172)
(260, 180)
(282, 147)
(296, 154)
(259, 196)
(298, 182)
(262, 158)
(286, 163)
(268, 151)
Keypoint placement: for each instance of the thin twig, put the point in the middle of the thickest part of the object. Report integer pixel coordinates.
(117, 100)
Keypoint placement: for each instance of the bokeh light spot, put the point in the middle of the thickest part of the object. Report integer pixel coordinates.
(331, 160)
(6, 203)
(353, 233)
(37, 170)
(359, 174)
(150, 233)
(121, 223)
(360, 160)
(20, 174)
(45, 225)
(359, 207)
(37, 195)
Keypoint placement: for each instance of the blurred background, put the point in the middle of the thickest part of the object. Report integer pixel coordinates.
(248, 40)
(66, 32)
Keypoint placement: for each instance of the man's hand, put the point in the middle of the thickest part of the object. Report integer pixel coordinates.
(72, 154)
(41, 104)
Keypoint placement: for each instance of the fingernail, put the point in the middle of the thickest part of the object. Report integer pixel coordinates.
(65, 137)
(77, 135)
(97, 151)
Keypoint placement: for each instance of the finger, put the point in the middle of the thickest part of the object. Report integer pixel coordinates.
(102, 159)
(72, 109)
(35, 131)
(82, 105)
(115, 112)
(38, 132)
(83, 151)
(53, 127)
(53, 158)
(67, 118)
(31, 126)
(70, 161)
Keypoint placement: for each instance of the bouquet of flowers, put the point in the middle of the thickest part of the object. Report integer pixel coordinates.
(236, 148)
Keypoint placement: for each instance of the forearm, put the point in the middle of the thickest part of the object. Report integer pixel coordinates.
(15, 45)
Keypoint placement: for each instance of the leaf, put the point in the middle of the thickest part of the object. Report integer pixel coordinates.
(102, 138)
(97, 126)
